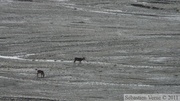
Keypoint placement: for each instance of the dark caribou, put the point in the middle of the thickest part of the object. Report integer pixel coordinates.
(78, 59)
(41, 72)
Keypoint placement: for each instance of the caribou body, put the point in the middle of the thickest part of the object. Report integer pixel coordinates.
(41, 72)
(78, 59)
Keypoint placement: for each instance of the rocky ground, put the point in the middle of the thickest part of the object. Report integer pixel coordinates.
(131, 47)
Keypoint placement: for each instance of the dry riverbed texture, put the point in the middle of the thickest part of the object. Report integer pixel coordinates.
(131, 47)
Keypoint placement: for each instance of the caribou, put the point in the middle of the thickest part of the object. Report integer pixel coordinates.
(78, 59)
(41, 72)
